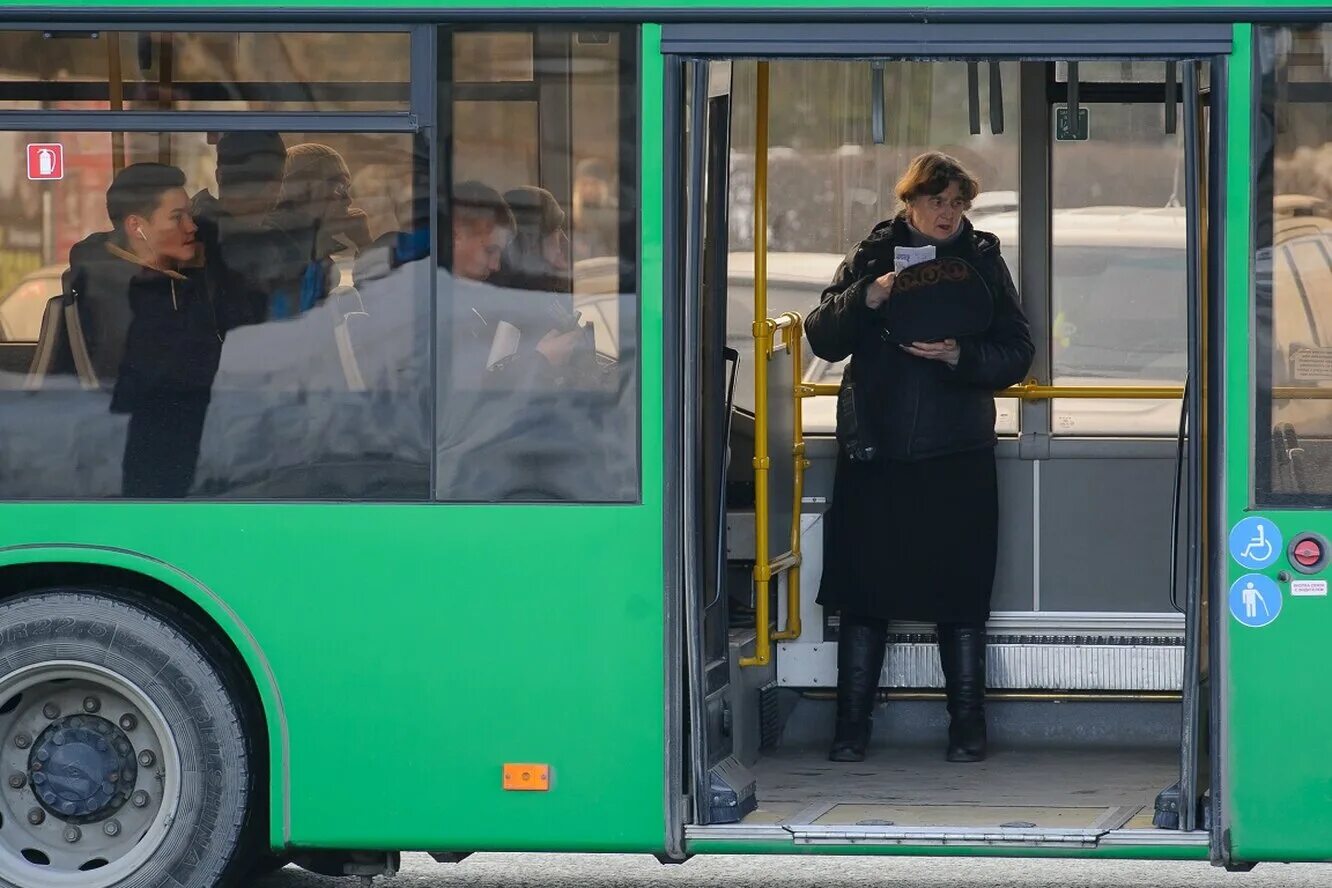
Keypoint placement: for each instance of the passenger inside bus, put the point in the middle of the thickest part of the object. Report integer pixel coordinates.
(153, 319)
(232, 225)
(314, 223)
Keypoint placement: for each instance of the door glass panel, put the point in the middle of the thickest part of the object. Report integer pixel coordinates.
(1120, 271)
(1293, 267)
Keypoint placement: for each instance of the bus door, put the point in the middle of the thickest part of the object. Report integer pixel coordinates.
(1066, 581)
(722, 788)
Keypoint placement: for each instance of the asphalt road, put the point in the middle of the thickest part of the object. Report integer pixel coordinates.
(612, 871)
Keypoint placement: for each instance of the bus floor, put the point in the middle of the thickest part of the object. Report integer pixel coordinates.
(913, 786)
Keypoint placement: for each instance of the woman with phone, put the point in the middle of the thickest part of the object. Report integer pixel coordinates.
(912, 530)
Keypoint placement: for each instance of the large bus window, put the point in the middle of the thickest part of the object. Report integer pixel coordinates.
(204, 71)
(538, 320)
(829, 183)
(244, 315)
(1293, 268)
(1119, 282)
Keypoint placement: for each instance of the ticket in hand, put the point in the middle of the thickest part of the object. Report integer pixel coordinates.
(905, 257)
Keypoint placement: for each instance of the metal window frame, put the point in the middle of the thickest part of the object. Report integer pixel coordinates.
(1059, 40)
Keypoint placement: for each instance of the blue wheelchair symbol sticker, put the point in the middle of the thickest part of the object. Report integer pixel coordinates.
(1255, 543)
(1255, 600)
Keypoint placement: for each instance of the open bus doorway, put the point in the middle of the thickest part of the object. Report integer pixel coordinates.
(1096, 659)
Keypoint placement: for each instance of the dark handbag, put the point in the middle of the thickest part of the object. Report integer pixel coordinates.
(854, 430)
(944, 298)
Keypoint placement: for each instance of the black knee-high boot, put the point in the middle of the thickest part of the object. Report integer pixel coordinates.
(962, 655)
(860, 650)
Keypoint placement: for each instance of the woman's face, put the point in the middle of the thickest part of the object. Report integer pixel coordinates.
(555, 250)
(167, 236)
(939, 215)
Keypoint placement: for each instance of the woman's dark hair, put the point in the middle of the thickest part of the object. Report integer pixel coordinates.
(931, 174)
(138, 190)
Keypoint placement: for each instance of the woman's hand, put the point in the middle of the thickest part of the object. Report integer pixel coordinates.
(877, 293)
(946, 351)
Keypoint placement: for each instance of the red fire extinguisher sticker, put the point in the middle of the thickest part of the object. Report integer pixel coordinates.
(46, 162)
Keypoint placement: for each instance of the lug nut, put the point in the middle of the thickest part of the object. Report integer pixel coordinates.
(17, 781)
(36, 816)
(91, 704)
(73, 834)
(51, 711)
(111, 828)
(22, 741)
(140, 799)
(128, 722)
(147, 759)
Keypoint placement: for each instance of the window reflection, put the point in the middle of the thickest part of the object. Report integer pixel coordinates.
(1293, 267)
(538, 336)
(243, 316)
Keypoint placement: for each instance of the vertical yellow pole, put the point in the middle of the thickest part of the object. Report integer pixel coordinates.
(762, 347)
(793, 339)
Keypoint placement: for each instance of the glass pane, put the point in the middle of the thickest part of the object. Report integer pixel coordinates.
(209, 71)
(1293, 268)
(830, 184)
(1120, 272)
(247, 319)
(492, 57)
(538, 335)
(1126, 71)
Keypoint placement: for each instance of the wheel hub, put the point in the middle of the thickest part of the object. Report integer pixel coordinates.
(82, 768)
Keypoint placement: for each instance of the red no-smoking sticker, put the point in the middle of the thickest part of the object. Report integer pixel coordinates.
(46, 162)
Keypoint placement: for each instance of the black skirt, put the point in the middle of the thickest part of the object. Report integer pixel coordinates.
(913, 540)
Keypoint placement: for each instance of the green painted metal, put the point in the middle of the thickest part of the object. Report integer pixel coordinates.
(1277, 789)
(417, 648)
(1148, 7)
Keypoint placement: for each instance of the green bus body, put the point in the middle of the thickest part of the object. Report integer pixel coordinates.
(404, 653)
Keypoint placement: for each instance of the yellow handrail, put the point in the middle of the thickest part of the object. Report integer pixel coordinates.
(1033, 391)
(793, 331)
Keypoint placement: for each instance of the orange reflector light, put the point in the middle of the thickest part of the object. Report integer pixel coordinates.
(534, 778)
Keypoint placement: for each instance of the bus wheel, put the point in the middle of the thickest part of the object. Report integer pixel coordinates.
(123, 759)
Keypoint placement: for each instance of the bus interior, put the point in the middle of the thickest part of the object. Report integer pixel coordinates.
(1094, 175)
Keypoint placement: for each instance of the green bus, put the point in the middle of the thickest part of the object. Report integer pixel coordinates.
(341, 596)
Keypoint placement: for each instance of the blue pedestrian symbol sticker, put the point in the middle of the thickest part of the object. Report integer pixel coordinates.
(1255, 543)
(1255, 600)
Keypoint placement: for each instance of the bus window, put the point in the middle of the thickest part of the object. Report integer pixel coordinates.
(1293, 268)
(249, 318)
(205, 71)
(538, 335)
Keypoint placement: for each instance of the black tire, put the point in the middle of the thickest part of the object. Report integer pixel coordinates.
(148, 647)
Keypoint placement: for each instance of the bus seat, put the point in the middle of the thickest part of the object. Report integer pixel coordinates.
(348, 314)
(78, 346)
(53, 355)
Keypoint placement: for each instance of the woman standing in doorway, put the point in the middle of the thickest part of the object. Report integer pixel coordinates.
(912, 531)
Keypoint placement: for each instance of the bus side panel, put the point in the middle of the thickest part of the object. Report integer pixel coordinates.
(1276, 738)
(420, 648)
